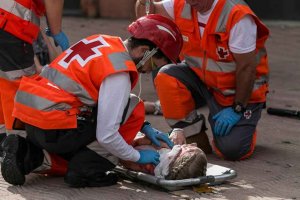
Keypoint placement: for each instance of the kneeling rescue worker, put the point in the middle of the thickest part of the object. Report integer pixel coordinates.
(79, 114)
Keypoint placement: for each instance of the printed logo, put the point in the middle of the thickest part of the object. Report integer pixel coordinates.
(222, 52)
(83, 51)
(248, 114)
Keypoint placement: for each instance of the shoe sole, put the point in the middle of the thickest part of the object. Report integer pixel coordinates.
(9, 168)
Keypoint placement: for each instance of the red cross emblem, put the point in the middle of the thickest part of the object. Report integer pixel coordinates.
(248, 114)
(222, 52)
(83, 51)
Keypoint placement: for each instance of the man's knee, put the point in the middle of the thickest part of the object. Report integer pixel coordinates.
(234, 150)
(229, 151)
(173, 94)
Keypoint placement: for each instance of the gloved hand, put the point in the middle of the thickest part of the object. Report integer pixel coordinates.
(148, 156)
(61, 39)
(225, 120)
(155, 135)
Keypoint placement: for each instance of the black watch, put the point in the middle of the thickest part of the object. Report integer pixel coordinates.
(238, 108)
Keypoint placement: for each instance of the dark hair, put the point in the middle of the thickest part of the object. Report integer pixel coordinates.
(135, 42)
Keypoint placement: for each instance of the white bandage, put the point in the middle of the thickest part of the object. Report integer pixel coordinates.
(167, 156)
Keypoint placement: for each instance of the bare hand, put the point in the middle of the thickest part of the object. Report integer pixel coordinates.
(177, 136)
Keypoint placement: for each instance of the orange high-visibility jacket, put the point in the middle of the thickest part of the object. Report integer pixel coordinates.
(209, 55)
(21, 18)
(54, 98)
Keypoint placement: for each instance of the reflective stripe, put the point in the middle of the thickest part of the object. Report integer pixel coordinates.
(67, 84)
(225, 67)
(260, 54)
(212, 65)
(17, 74)
(222, 21)
(193, 61)
(39, 103)
(2, 128)
(188, 119)
(194, 124)
(227, 92)
(133, 102)
(257, 84)
(193, 129)
(118, 60)
(186, 11)
(260, 81)
(20, 11)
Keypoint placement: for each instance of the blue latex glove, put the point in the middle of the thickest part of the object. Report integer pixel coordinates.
(155, 135)
(148, 156)
(225, 120)
(61, 39)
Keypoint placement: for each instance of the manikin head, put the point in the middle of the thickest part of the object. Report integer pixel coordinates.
(201, 5)
(155, 41)
(191, 162)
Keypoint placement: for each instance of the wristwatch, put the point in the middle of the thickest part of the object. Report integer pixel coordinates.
(238, 108)
(145, 123)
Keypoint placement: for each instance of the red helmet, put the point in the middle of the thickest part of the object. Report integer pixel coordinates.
(161, 31)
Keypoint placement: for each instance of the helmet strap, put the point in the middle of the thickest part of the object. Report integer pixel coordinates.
(147, 55)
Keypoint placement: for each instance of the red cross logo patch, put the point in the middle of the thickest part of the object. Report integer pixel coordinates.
(83, 51)
(222, 52)
(248, 114)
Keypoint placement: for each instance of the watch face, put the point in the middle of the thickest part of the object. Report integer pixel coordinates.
(238, 108)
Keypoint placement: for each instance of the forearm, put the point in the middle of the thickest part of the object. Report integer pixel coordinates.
(245, 77)
(154, 8)
(113, 97)
(117, 146)
(140, 8)
(54, 9)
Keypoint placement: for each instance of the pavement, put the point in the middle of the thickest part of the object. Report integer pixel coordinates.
(273, 172)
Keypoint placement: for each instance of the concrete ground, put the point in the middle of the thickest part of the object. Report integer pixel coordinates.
(272, 173)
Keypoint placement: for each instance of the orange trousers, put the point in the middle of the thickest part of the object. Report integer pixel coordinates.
(8, 91)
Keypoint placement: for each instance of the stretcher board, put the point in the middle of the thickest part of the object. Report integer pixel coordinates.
(215, 175)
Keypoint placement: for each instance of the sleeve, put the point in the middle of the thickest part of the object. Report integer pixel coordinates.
(113, 97)
(169, 7)
(242, 37)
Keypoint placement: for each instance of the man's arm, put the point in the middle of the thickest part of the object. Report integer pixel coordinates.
(54, 9)
(113, 97)
(155, 8)
(245, 76)
(242, 44)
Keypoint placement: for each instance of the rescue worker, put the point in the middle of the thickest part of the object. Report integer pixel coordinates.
(80, 108)
(19, 27)
(224, 64)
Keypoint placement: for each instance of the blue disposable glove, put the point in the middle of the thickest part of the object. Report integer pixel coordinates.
(148, 156)
(61, 39)
(225, 120)
(155, 135)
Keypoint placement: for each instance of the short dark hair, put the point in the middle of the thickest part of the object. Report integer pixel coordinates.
(135, 42)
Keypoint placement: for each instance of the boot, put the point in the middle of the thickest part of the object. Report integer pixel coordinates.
(201, 140)
(79, 180)
(88, 169)
(12, 167)
(20, 158)
(2, 138)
